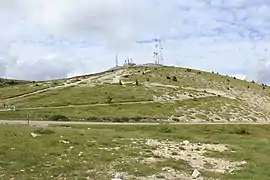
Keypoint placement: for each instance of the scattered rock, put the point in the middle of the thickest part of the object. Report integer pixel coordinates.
(118, 176)
(244, 162)
(34, 135)
(186, 142)
(196, 174)
(193, 154)
(64, 141)
(160, 176)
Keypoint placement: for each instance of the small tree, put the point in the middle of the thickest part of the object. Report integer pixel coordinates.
(109, 99)
(136, 82)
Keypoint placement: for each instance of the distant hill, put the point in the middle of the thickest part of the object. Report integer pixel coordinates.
(139, 93)
(11, 82)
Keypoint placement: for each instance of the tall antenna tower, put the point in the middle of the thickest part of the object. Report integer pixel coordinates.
(116, 60)
(160, 53)
(157, 56)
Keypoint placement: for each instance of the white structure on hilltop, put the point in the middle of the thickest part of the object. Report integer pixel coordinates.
(129, 62)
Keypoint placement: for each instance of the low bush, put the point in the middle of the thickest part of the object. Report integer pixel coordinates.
(58, 118)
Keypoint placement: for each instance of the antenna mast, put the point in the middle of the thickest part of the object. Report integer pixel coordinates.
(158, 58)
(116, 60)
(160, 53)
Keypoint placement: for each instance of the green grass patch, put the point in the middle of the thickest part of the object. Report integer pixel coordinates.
(97, 151)
(126, 112)
(87, 95)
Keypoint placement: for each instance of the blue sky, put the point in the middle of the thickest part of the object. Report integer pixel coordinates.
(58, 38)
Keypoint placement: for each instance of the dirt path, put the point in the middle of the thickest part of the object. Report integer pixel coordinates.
(100, 104)
(111, 78)
(83, 105)
(46, 123)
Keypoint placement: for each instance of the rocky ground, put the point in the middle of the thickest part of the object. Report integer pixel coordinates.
(192, 153)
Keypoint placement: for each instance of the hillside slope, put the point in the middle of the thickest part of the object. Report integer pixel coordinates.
(143, 93)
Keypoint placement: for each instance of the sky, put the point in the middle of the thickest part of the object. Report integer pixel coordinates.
(48, 39)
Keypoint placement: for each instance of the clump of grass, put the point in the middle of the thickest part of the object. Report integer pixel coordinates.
(44, 131)
(58, 117)
(174, 78)
(165, 128)
(240, 131)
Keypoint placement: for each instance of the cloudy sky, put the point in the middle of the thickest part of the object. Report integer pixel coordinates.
(58, 38)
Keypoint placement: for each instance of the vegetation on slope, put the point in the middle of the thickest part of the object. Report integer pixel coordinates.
(142, 92)
(10, 82)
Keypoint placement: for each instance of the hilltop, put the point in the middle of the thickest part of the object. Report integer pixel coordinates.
(139, 93)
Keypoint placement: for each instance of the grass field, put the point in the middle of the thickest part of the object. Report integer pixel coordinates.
(14, 91)
(97, 113)
(99, 152)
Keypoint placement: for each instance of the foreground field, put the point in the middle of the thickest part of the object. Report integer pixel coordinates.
(135, 152)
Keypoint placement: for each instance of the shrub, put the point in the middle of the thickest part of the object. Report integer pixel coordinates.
(240, 131)
(44, 131)
(168, 77)
(136, 82)
(165, 128)
(93, 119)
(174, 78)
(120, 82)
(58, 118)
(109, 99)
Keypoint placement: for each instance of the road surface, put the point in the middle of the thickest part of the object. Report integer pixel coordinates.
(46, 123)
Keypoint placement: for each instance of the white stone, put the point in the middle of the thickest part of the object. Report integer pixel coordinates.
(244, 162)
(118, 176)
(186, 142)
(34, 135)
(63, 141)
(195, 174)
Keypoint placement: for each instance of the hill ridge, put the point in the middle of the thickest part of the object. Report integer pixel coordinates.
(150, 92)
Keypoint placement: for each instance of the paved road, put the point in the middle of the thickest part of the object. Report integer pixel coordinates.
(45, 123)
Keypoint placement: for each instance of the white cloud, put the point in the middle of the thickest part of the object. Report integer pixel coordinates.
(58, 38)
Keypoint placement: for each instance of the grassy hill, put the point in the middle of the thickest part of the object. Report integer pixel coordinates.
(144, 93)
(11, 82)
